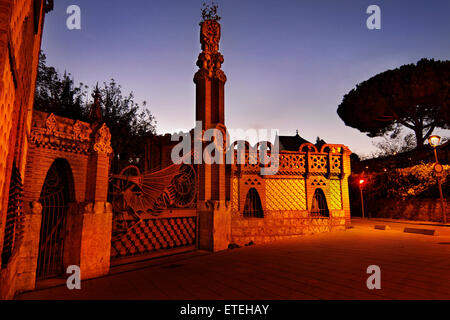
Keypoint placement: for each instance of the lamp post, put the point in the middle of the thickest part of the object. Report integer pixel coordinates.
(434, 141)
(361, 185)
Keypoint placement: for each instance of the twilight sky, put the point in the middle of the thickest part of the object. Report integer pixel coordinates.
(288, 63)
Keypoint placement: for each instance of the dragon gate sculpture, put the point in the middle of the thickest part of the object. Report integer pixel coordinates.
(154, 191)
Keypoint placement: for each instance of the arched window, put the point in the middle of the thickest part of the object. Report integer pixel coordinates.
(253, 207)
(319, 205)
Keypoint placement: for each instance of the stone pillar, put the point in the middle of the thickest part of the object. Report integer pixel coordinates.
(98, 167)
(97, 177)
(29, 248)
(346, 171)
(214, 225)
(88, 241)
(213, 212)
(89, 224)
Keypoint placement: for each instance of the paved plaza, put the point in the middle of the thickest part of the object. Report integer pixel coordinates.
(320, 266)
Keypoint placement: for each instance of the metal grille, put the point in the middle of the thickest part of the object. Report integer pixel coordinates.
(319, 205)
(149, 235)
(54, 199)
(335, 195)
(285, 194)
(14, 223)
(253, 207)
(235, 194)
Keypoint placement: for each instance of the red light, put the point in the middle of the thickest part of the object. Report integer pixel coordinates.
(362, 181)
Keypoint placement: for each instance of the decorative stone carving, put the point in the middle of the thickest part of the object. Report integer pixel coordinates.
(81, 131)
(37, 137)
(210, 36)
(51, 124)
(220, 75)
(58, 133)
(201, 75)
(36, 207)
(318, 182)
(103, 140)
(210, 60)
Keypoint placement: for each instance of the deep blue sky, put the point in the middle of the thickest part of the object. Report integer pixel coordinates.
(289, 63)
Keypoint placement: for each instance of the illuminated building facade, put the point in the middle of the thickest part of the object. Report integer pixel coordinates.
(55, 208)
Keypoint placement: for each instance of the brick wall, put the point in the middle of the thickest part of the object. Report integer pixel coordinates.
(21, 25)
(39, 162)
(7, 96)
(86, 150)
(20, 38)
(55, 137)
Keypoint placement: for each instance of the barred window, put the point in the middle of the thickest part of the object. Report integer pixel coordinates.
(319, 205)
(253, 207)
(14, 223)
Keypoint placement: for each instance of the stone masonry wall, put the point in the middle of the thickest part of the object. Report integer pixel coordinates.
(408, 209)
(277, 225)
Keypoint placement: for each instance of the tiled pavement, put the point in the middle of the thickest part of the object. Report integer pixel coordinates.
(322, 266)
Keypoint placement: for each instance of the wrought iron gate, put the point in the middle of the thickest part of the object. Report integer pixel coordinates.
(54, 199)
(319, 205)
(152, 235)
(154, 211)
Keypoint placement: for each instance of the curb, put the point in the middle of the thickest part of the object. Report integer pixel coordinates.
(382, 227)
(427, 232)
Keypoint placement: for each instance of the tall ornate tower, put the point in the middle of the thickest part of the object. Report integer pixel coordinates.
(210, 79)
(210, 83)
(214, 216)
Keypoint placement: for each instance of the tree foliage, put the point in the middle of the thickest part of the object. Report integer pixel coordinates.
(415, 96)
(58, 94)
(418, 181)
(129, 122)
(395, 143)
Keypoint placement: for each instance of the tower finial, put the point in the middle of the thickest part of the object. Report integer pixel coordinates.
(209, 12)
(210, 60)
(95, 114)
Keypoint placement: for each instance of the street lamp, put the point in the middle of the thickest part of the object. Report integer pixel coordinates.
(434, 141)
(361, 185)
